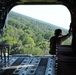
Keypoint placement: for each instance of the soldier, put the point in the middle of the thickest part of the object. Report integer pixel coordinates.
(57, 40)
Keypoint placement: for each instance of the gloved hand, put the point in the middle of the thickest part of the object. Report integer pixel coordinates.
(70, 31)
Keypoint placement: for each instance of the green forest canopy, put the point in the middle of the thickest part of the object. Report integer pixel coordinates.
(27, 35)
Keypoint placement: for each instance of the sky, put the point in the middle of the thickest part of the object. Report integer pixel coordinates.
(55, 14)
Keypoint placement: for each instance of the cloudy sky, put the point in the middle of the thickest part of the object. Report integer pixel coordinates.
(55, 14)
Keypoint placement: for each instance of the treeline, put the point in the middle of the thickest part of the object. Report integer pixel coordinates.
(26, 35)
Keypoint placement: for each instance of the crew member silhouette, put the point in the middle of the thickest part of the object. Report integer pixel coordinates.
(57, 40)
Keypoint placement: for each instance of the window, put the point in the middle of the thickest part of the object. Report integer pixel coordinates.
(30, 27)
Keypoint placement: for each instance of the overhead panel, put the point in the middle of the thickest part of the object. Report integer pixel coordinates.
(38, 0)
